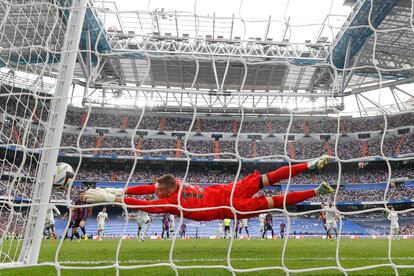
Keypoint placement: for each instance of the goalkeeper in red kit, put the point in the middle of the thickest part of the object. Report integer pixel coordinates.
(172, 191)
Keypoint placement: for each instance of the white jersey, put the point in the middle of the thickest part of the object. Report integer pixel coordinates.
(50, 215)
(220, 228)
(330, 214)
(393, 217)
(101, 217)
(262, 218)
(172, 222)
(142, 217)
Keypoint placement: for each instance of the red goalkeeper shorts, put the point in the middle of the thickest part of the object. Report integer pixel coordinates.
(247, 187)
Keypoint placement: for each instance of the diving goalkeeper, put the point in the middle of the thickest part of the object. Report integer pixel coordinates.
(167, 189)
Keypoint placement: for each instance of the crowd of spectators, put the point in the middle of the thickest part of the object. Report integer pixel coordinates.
(349, 175)
(407, 229)
(12, 223)
(25, 106)
(305, 148)
(106, 118)
(15, 131)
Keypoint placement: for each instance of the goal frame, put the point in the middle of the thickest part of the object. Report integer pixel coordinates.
(33, 236)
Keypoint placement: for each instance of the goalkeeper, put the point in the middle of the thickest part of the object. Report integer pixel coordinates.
(167, 189)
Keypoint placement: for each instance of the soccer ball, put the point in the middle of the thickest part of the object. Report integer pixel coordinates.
(63, 175)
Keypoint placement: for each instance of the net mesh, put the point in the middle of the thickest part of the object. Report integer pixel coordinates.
(29, 36)
(32, 35)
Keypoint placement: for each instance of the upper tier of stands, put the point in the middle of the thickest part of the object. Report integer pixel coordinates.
(230, 124)
(304, 144)
(24, 106)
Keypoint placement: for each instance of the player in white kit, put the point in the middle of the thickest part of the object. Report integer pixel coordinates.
(220, 229)
(50, 221)
(393, 217)
(244, 225)
(172, 225)
(262, 218)
(331, 219)
(144, 221)
(102, 216)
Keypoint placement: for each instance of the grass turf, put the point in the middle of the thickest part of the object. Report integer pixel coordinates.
(300, 254)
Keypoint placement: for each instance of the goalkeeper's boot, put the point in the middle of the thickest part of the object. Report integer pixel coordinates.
(324, 189)
(320, 162)
(85, 237)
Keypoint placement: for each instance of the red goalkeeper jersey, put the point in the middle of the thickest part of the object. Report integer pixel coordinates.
(192, 197)
(216, 197)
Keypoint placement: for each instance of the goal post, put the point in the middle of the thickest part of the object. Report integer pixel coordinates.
(41, 193)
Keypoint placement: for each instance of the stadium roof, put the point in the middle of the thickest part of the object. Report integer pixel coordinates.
(161, 55)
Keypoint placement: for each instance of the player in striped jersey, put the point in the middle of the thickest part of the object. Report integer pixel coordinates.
(79, 217)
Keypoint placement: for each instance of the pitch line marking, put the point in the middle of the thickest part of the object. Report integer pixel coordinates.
(235, 259)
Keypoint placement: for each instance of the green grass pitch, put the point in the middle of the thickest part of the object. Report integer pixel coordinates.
(245, 254)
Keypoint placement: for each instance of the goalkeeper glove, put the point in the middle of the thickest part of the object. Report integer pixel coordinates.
(320, 162)
(99, 195)
(114, 191)
(324, 189)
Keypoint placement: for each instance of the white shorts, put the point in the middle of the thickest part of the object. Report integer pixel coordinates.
(261, 226)
(48, 223)
(141, 222)
(101, 226)
(395, 226)
(172, 226)
(331, 224)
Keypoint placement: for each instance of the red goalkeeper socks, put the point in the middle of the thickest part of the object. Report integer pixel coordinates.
(292, 198)
(283, 172)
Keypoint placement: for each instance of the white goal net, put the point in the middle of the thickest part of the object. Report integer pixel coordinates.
(113, 91)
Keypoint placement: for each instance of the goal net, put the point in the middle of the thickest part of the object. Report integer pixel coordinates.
(122, 95)
(37, 55)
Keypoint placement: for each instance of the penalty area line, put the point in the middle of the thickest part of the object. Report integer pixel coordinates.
(232, 259)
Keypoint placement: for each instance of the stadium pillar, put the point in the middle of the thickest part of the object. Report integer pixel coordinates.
(16, 134)
(124, 123)
(364, 147)
(235, 127)
(400, 143)
(41, 191)
(98, 143)
(342, 126)
(328, 148)
(216, 149)
(178, 147)
(162, 124)
(269, 127)
(198, 126)
(138, 146)
(83, 119)
(305, 128)
(292, 149)
(254, 148)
